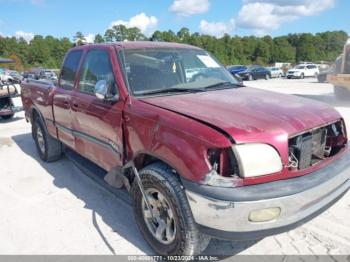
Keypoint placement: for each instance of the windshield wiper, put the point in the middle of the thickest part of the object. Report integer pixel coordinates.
(171, 90)
(223, 84)
(188, 89)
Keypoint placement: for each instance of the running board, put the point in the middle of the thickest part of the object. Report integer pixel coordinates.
(97, 174)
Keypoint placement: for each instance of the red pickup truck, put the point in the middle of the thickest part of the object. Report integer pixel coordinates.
(201, 155)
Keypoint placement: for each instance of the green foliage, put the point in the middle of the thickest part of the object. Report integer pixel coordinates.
(99, 39)
(46, 52)
(50, 51)
(79, 39)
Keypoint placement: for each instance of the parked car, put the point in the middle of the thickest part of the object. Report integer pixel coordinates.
(303, 70)
(201, 158)
(50, 75)
(17, 78)
(236, 69)
(275, 72)
(255, 72)
(6, 77)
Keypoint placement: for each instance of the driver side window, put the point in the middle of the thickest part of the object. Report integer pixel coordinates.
(96, 67)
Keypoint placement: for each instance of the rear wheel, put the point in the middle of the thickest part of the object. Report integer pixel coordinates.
(171, 230)
(49, 149)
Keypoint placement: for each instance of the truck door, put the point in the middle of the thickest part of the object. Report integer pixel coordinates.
(97, 122)
(62, 99)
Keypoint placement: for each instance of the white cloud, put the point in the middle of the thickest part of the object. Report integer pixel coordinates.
(264, 16)
(189, 7)
(26, 36)
(146, 24)
(89, 38)
(217, 29)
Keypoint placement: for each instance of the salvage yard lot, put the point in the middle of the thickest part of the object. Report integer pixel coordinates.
(55, 209)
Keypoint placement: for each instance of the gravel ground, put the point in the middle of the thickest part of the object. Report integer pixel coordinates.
(55, 209)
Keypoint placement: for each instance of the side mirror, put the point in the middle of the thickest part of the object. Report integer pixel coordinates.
(102, 91)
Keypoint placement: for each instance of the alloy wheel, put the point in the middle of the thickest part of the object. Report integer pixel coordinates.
(162, 225)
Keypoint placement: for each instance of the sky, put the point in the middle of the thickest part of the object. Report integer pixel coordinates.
(63, 18)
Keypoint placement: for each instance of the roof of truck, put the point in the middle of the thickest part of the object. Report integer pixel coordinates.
(140, 44)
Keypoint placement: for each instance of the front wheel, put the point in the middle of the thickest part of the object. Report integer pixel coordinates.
(302, 76)
(250, 78)
(267, 76)
(171, 230)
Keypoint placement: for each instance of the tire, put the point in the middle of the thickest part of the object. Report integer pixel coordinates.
(280, 76)
(250, 78)
(187, 240)
(49, 149)
(322, 78)
(8, 117)
(302, 76)
(267, 77)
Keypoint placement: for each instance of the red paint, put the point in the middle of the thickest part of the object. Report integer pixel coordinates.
(168, 128)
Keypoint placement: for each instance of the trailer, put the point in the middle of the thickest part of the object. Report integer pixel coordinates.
(341, 77)
(7, 92)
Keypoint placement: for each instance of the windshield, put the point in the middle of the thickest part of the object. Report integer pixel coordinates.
(150, 71)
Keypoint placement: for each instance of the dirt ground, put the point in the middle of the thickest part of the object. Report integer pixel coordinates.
(55, 209)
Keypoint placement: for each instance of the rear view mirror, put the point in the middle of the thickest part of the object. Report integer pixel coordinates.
(102, 91)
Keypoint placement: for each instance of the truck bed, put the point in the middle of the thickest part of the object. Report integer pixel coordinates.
(38, 94)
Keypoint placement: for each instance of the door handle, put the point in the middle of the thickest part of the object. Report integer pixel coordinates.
(75, 105)
(66, 103)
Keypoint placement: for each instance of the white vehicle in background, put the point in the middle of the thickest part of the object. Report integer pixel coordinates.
(275, 72)
(303, 70)
(6, 77)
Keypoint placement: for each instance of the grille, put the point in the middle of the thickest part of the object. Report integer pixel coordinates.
(312, 147)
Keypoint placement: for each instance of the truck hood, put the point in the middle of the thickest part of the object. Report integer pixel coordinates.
(249, 114)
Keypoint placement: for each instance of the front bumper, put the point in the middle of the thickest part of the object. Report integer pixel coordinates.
(224, 212)
(293, 75)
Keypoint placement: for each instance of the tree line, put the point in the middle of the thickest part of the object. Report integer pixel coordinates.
(49, 51)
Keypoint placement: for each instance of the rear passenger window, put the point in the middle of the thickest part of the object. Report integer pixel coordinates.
(311, 67)
(69, 69)
(96, 67)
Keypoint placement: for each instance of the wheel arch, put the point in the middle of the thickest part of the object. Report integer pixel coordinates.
(144, 158)
(34, 114)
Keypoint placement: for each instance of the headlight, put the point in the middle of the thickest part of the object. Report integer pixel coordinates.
(257, 159)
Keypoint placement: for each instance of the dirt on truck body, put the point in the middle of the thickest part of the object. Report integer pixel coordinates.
(201, 155)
